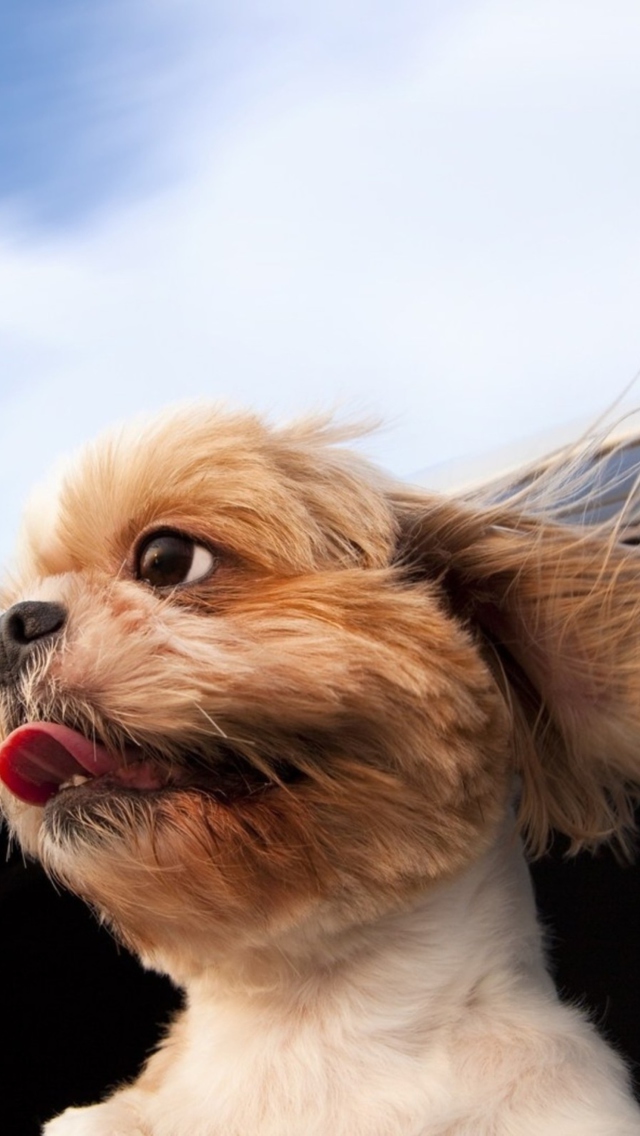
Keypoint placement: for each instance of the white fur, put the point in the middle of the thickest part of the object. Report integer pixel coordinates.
(438, 1021)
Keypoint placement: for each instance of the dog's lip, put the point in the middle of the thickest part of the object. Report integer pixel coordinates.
(38, 758)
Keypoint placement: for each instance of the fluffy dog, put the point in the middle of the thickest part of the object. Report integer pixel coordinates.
(270, 712)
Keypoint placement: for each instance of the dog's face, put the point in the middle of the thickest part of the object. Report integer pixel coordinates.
(237, 713)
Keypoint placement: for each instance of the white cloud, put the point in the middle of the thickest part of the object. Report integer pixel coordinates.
(445, 232)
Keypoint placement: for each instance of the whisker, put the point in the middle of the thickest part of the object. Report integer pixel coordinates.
(215, 725)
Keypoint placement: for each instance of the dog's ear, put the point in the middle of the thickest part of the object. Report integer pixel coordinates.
(558, 611)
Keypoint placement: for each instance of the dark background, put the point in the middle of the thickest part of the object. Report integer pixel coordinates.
(78, 1014)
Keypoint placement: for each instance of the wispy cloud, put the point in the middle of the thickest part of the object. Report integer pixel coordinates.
(430, 212)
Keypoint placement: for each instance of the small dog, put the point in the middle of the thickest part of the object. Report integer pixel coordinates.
(270, 713)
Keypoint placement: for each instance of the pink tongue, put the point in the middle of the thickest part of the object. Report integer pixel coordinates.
(37, 758)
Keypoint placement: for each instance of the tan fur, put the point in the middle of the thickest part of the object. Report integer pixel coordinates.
(404, 654)
(560, 607)
(345, 608)
(284, 653)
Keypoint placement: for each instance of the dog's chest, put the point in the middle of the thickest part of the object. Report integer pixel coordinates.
(292, 1077)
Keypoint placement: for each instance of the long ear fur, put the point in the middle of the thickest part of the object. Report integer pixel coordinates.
(558, 609)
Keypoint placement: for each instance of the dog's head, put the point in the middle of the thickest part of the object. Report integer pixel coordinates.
(253, 691)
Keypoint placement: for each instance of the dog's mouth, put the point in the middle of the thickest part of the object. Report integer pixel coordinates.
(40, 760)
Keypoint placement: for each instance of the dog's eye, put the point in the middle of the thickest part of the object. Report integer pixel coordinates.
(167, 559)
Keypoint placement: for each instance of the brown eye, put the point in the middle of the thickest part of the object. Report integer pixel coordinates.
(168, 559)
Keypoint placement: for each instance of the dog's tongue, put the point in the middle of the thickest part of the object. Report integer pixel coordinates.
(36, 759)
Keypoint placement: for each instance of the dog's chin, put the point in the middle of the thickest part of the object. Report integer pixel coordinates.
(85, 812)
(170, 862)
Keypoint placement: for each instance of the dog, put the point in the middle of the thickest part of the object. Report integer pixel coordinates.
(285, 724)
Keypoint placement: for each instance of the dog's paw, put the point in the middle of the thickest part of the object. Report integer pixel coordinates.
(113, 1118)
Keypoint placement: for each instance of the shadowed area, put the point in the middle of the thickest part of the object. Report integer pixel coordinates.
(64, 976)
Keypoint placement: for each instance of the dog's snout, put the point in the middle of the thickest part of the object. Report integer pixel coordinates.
(24, 626)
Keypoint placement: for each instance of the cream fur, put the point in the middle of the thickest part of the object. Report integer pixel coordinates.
(440, 1020)
(337, 713)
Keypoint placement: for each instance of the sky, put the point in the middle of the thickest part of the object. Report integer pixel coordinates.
(425, 211)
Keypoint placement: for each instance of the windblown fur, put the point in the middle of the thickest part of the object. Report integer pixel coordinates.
(342, 715)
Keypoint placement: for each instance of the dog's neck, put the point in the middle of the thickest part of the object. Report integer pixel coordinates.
(422, 964)
(434, 1019)
(360, 1045)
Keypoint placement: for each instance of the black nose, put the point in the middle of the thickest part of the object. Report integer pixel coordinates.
(22, 628)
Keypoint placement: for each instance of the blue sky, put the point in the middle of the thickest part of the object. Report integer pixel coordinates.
(427, 211)
(88, 94)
